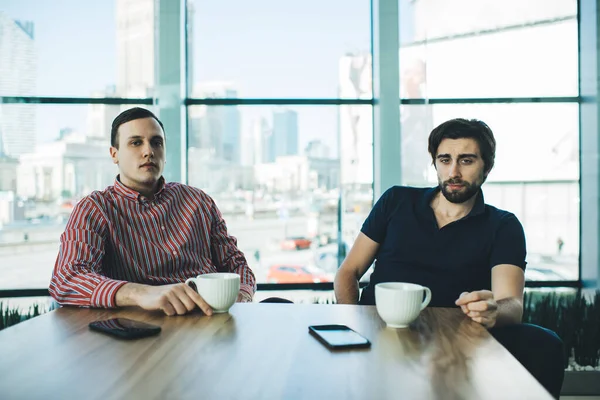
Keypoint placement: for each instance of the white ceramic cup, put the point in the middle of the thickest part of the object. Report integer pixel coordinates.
(219, 290)
(399, 304)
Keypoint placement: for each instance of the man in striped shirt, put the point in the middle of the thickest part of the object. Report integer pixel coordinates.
(135, 243)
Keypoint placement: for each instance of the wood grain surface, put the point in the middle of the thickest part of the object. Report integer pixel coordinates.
(258, 351)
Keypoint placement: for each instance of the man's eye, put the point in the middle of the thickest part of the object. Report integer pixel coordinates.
(444, 160)
(159, 144)
(136, 142)
(467, 161)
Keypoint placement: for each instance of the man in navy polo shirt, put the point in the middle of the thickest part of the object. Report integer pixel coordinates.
(468, 253)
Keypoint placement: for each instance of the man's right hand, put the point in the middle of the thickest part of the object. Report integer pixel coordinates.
(172, 299)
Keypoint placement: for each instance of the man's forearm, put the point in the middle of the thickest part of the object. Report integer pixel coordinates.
(128, 294)
(346, 288)
(510, 311)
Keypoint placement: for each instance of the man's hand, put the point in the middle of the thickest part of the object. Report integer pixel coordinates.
(173, 299)
(480, 306)
(243, 297)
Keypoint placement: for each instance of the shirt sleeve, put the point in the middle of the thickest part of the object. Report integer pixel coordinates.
(509, 245)
(77, 278)
(227, 257)
(375, 226)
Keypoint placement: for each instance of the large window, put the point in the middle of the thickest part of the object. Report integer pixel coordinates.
(485, 48)
(518, 72)
(87, 61)
(291, 180)
(68, 48)
(278, 174)
(279, 117)
(273, 48)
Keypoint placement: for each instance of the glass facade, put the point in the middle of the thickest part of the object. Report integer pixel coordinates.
(518, 72)
(277, 174)
(294, 174)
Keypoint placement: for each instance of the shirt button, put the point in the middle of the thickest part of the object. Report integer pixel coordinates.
(162, 227)
(174, 253)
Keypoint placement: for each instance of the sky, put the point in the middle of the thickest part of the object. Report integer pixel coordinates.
(265, 48)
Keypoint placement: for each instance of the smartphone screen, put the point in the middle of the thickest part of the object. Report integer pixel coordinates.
(125, 328)
(338, 336)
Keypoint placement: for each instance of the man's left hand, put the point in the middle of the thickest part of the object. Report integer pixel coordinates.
(243, 297)
(480, 306)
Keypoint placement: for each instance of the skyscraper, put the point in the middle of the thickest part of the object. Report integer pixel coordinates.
(135, 48)
(284, 137)
(258, 151)
(136, 30)
(316, 149)
(356, 121)
(216, 127)
(17, 78)
(100, 116)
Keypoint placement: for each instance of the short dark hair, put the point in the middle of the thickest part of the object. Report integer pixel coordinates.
(126, 116)
(460, 128)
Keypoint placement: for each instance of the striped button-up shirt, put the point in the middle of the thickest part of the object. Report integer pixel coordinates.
(116, 236)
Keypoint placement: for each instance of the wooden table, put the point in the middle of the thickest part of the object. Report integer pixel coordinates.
(258, 351)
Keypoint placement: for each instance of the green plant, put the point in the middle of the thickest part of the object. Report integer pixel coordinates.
(8, 316)
(13, 315)
(573, 316)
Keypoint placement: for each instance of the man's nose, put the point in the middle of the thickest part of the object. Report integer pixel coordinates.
(148, 151)
(454, 170)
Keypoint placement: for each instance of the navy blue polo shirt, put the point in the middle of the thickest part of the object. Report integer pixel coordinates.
(457, 258)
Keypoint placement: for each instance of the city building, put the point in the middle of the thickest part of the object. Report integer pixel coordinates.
(216, 175)
(255, 147)
(216, 129)
(297, 174)
(316, 149)
(8, 173)
(101, 116)
(11, 209)
(135, 47)
(68, 168)
(356, 121)
(18, 74)
(283, 140)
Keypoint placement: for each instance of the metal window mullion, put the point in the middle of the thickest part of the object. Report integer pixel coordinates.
(386, 95)
(589, 114)
(171, 83)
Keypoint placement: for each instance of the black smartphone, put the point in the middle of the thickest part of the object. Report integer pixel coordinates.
(338, 337)
(125, 328)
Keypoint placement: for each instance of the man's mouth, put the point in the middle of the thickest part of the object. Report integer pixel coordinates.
(148, 165)
(454, 186)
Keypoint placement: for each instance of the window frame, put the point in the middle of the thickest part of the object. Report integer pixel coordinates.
(172, 82)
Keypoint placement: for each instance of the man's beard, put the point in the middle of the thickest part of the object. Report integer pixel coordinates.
(469, 190)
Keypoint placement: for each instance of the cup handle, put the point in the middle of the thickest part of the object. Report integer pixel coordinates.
(191, 280)
(427, 298)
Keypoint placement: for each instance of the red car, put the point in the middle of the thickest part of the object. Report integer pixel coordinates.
(287, 273)
(295, 243)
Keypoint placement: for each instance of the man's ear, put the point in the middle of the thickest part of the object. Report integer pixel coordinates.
(114, 154)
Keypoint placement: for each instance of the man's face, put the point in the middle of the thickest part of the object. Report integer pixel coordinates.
(141, 153)
(460, 169)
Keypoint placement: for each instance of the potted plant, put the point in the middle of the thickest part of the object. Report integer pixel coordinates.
(13, 315)
(575, 317)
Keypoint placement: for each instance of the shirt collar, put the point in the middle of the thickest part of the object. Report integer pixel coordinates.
(479, 206)
(134, 195)
(425, 208)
